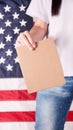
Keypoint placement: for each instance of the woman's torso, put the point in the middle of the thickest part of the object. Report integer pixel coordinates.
(61, 28)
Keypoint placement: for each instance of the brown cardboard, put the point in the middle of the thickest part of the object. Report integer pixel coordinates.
(41, 68)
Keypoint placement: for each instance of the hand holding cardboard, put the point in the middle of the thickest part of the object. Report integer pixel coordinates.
(41, 68)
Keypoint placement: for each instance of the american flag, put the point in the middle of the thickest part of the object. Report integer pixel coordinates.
(17, 107)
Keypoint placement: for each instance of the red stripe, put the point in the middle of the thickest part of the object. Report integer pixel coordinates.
(70, 116)
(17, 116)
(16, 95)
(24, 116)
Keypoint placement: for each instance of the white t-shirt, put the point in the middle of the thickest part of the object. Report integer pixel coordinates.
(60, 27)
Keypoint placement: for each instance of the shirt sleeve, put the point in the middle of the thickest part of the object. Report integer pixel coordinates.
(37, 9)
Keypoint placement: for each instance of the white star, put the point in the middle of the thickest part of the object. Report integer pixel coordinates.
(2, 31)
(7, 8)
(2, 45)
(16, 30)
(1, 16)
(8, 38)
(23, 22)
(15, 15)
(14, 45)
(8, 23)
(9, 52)
(9, 67)
(2, 60)
(22, 8)
(16, 60)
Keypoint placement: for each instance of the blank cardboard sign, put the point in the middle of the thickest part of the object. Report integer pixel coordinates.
(41, 68)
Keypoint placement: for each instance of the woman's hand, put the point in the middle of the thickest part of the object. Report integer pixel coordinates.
(30, 38)
(25, 38)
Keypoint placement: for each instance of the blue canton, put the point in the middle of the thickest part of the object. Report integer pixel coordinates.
(13, 20)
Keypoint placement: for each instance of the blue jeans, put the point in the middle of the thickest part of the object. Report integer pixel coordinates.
(52, 106)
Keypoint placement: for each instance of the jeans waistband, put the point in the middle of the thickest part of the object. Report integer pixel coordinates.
(69, 78)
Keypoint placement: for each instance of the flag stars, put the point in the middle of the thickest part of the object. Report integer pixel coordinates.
(16, 60)
(1, 16)
(14, 45)
(7, 8)
(15, 15)
(8, 38)
(8, 23)
(9, 52)
(9, 67)
(2, 31)
(2, 45)
(22, 8)
(2, 60)
(23, 22)
(16, 30)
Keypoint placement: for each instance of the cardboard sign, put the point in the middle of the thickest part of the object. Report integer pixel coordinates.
(41, 68)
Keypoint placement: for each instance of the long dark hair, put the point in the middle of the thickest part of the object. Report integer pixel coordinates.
(56, 4)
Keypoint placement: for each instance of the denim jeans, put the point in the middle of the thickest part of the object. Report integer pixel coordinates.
(52, 106)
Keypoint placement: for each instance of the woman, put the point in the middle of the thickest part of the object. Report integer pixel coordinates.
(52, 17)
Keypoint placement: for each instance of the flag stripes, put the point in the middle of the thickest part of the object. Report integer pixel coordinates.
(16, 95)
(70, 116)
(18, 108)
(13, 106)
(68, 126)
(12, 84)
(27, 126)
(17, 125)
(24, 116)
(17, 116)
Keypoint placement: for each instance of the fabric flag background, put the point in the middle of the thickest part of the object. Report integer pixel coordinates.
(17, 107)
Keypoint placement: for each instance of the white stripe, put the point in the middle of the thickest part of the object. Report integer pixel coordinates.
(27, 126)
(7, 106)
(71, 108)
(12, 84)
(68, 126)
(17, 126)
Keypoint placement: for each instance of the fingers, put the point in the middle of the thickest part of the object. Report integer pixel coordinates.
(25, 39)
(26, 33)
